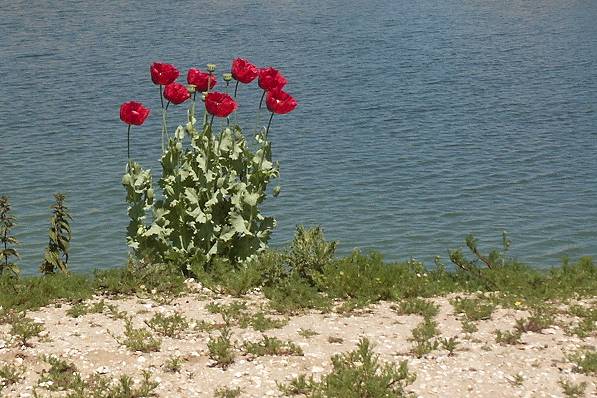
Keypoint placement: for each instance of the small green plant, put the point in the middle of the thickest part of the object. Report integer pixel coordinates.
(100, 386)
(272, 346)
(417, 306)
(474, 309)
(468, 326)
(424, 347)
(356, 374)
(517, 380)
(573, 390)
(138, 339)
(226, 392)
(588, 320)
(173, 364)
(125, 387)
(585, 361)
(309, 253)
(293, 295)
(221, 349)
(449, 344)
(61, 375)
(307, 333)
(168, 325)
(425, 330)
(7, 223)
(535, 323)
(23, 329)
(10, 374)
(59, 234)
(80, 309)
(507, 337)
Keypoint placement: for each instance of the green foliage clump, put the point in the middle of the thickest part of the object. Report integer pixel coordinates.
(7, 222)
(168, 325)
(59, 234)
(221, 349)
(417, 306)
(212, 188)
(138, 339)
(23, 329)
(585, 361)
(63, 375)
(356, 374)
(10, 374)
(473, 309)
(272, 346)
(309, 253)
(226, 392)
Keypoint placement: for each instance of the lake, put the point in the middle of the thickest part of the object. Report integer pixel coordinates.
(418, 122)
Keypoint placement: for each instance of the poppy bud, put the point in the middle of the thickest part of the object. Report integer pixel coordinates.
(211, 68)
(192, 88)
(227, 77)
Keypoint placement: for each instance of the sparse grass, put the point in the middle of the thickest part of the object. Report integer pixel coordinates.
(261, 323)
(226, 392)
(138, 339)
(168, 325)
(588, 320)
(272, 346)
(474, 309)
(237, 313)
(573, 390)
(585, 361)
(417, 306)
(422, 336)
(335, 340)
(356, 374)
(221, 349)
(10, 374)
(469, 326)
(100, 386)
(507, 337)
(538, 321)
(307, 333)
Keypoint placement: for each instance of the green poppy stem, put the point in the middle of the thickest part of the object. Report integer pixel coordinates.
(236, 88)
(268, 125)
(128, 143)
(161, 97)
(259, 111)
(265, 139)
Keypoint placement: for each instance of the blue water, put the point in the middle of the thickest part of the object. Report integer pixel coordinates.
(419, 121)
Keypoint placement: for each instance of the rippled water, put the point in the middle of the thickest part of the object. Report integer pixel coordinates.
(419, 121)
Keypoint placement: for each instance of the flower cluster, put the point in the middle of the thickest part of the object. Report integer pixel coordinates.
(219, 104)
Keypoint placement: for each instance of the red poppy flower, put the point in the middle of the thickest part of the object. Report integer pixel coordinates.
(133, 113)
(244, 71)
(176, 93)
(280, 102)
(163, 74)
(271, 79)
(201, 79)
(219, 104)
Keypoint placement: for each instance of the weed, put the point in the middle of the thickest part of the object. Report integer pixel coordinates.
(294, 295)
(425, 330)
(23, 329)
(7, 222)
(307, 333)
(61, 375)
(449, 345)
(424, 347)
(588, 320)
(56, 254)
(138, 339)
(468, 326)
(173, 364)
(517, 380)
(221, 349)
(585, 361)
(225, 392)
(356, 374)
(417, 306)
(473, 309)
(573, 390)
(309, 253)
(535, 323)
(10, 374)
(335, 340)
(80, 309)
(506, 337)
(261, 323)
(235, 312)
(168, 325)
(272, 346)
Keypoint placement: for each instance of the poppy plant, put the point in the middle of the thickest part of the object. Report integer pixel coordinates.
(176, 93)
(219, 104)
(271, 79)
(132, 112)
(163, 74)
(201, 80)
(280, 102)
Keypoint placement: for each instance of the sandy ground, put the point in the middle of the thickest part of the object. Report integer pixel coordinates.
(479, 367)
